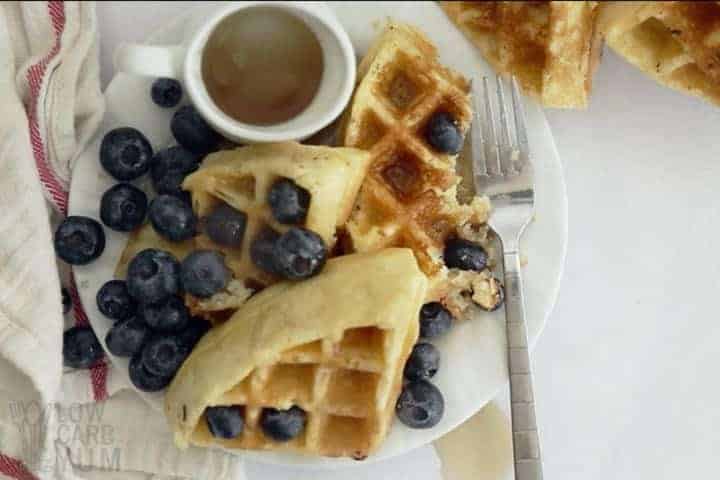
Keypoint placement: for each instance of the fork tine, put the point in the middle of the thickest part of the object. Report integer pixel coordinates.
(477, 142)
(492, 139)
(505, 128)
(519, 115)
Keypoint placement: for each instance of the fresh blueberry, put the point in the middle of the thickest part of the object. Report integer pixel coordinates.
(435, 320)
(143, 379)
(423, 362)
(125, 153)
(226, 225)
(420, 405)
(127, 337)
(225, 422)
(169, 168)
(262, 250)
(79, 240)
(170, 315)
(283, 425)
(204, 273)
(443, 134)
(166, 92)
(465, 255)
(196, 329)
(114, 300)
(163, 355)
(299, 253)
(66, 301)
(288, 201)
(153, 275)
(81, 348)
(172, 218)
(123, 207)
(192, 131)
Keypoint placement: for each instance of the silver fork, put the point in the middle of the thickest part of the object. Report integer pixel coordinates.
(502, 170)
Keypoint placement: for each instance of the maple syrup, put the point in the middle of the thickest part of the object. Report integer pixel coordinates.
(262, 66)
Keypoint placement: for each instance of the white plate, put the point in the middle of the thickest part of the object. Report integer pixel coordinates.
(473, 354)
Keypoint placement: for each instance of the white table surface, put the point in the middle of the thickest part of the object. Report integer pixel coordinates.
(626, 368)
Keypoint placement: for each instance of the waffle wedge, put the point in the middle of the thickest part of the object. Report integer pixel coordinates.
(676, 43)
(241, 178)
(334, 345)
(551, 47)
(409, 197)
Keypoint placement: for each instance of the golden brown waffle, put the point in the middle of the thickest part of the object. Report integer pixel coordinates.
(334, 345)
(408, 198)
(551, 47)
(242, 178)
(676, 43)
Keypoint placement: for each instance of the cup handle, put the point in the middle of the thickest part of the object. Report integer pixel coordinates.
(149, 60)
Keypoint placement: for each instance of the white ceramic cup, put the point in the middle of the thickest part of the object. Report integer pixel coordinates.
(183, 62)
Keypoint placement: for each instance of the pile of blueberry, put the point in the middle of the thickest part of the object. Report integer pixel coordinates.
(152, 324)
(127, 155)
(421, 404)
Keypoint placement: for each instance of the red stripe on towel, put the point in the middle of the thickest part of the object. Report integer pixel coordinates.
(36, 75)
(14, 468)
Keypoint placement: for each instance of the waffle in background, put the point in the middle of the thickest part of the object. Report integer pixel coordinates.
(409, 197)
(551, 47)
(300, 343)
(676, 43)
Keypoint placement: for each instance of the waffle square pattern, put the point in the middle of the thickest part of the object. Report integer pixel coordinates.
(241, 178)
(552, 48)
(334, 345)
(409, 197)
(676, 43)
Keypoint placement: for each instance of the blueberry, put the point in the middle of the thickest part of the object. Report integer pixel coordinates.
(153, 275)
(123, 207)
(195, 330)
(125, 153)
(225, 422)
(192, 131)
(443, 134)
(143, 379)
(204, 273)
(81, 348)
(163, 355)
(283, 425)
(423, 362)
(127, 337)
(299, 253)
(66, 301)
(79, 240)
(262, 250)
(420, 405)
(465, 255)
(435, 320)
(169, 168)
(166, 92)
(288, 201)
(170, 315)
(114, 300)
(172, 218)
(226, 225)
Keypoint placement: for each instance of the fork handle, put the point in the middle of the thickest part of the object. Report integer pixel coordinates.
(526, 445)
